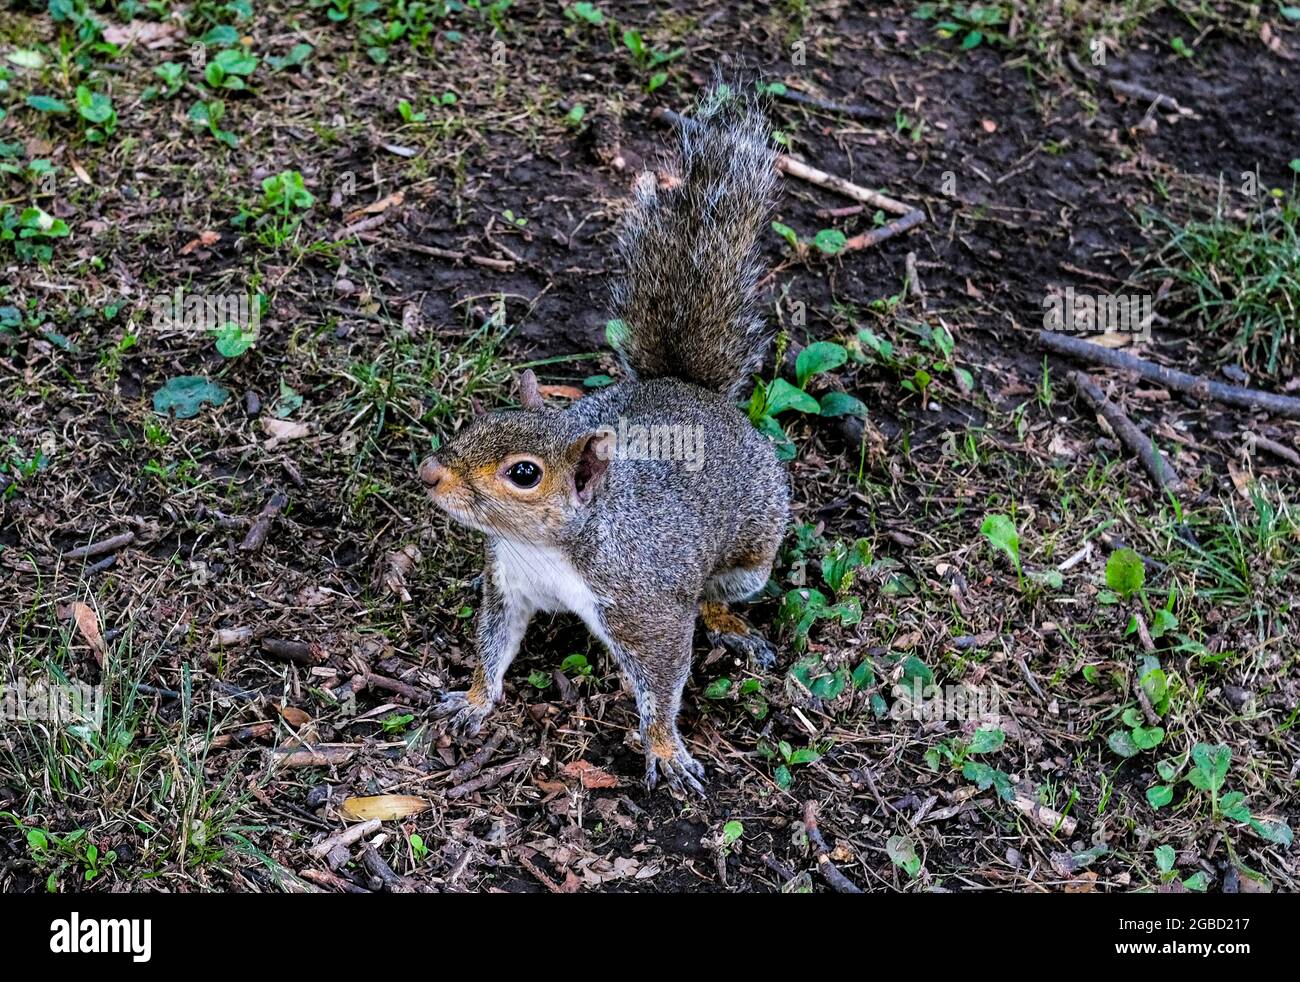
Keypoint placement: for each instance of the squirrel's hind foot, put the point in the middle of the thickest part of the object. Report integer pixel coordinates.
(736, 635)
(680, 772)
(464, 716)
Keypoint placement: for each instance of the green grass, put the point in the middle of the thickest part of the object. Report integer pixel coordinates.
(1239, 282)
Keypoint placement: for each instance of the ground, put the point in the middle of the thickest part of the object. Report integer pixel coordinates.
(462, 170)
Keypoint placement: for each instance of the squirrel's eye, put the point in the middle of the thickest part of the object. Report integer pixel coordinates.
(524, 474)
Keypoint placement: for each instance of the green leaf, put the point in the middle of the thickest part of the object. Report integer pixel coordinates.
(1121, 741)
(783, 777)
(821, 356)
(27, 58)
(221, 36)
(1233, 805)
(1198, 882)
(1212, 762)
(718, 688)
(1165, 857)
(1279, 833)
(539, 680)
(830, 241)
(971, 40)
(986, 741)
(1125, 572)
(986, 777)
(731, 832)
(902, 853)
(615, 333)
(836, 403)
(45, 104)
(1291, 13)
(1147, 737)
(787, 233)
(187, 394)
(94, 106)
(781, 395)
(1002, 535)
(233, 339)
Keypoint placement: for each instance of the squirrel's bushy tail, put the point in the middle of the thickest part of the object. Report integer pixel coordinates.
(688, 293)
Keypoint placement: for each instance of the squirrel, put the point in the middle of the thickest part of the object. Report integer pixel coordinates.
(582, 509)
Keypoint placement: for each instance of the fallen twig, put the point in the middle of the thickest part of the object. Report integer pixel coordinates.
(806, 172)
(298, 652)
(877, 235)
(489, 778)
(838, 881)
(321, 755)
(503, 265)
(325, 878)
(1193, 385)
(344, 839)
(1128, 432)
(843, 109)
(1049, 818)
(261, 526)
(99, 548)
(470, 766)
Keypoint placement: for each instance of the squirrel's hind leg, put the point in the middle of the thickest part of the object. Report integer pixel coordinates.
(726, 628)
(657, 664)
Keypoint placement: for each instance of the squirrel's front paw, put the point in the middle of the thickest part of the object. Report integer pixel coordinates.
(464, 715)
(679, 769)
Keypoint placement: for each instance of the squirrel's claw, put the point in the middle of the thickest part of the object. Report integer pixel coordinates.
(734, 633)
(464, 718)
(681, 771)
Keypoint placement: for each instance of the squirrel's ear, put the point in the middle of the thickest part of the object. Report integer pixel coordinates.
(529, 396)
(591, 455)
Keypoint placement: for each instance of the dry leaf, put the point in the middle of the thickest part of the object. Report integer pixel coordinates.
(397, 566)
(376, 207)
(589, 774)
(293, 715)
(152, 34)
(385, 807)
(88, 625)
(283, 430)
(206, 238)
(561, 391)
(80, 171)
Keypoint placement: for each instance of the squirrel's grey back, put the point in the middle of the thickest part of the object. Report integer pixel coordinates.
(688, 292)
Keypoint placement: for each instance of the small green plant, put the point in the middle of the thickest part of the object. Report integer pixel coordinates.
(1166, 857)
(828, 241)
(974, 23)
(172, 76)
(770, 399)
(276, 217)
(787, 757)
(418, 847)
(96, 109)
(60, 853)
(395, 724)
(209, 114)
(1000, 531)
(32, 232)
(230, 69)
(649, 59)
(1208, 773)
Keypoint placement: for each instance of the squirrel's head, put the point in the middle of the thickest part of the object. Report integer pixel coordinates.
(522, 474)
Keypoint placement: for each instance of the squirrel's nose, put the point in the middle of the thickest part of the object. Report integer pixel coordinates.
(432, 472)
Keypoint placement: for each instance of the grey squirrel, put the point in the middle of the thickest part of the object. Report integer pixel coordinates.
(577, 519)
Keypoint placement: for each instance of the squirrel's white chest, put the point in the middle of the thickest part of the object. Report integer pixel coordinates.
(545, 579)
